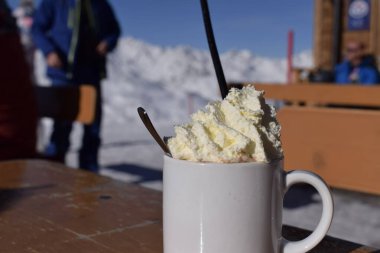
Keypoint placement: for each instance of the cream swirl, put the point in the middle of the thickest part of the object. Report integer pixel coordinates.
(241, 128)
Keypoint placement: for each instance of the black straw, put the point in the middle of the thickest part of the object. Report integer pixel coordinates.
(213, 49)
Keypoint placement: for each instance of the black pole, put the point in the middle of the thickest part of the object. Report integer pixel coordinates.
(213, 49)
(337, 32)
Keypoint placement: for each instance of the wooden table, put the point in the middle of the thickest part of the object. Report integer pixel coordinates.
(46, 207)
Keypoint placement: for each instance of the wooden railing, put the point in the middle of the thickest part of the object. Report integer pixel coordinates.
(340, 144)
(322, 93)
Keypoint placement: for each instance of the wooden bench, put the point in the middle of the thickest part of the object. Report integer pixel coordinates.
(329, 135)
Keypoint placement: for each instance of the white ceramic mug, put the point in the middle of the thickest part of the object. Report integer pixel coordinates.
(233, 208)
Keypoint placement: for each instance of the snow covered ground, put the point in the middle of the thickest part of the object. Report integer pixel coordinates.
(170, 83)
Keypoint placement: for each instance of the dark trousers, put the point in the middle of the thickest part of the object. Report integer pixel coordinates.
(88, 154)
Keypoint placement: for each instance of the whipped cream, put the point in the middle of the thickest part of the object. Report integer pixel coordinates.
(241, 128)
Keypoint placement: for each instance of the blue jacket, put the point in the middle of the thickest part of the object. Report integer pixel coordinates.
(368, 74)
(56, 29)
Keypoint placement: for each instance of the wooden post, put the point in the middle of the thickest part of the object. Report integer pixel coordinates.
(323, 33)
(337, 35)
(290, 55)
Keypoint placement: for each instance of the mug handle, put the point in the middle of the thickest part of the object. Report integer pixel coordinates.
(303, 246)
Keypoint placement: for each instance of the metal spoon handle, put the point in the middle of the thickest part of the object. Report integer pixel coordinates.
(152, 130)
(213, 49)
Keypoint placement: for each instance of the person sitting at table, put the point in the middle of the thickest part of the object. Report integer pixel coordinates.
(357, 68)
(18, 117)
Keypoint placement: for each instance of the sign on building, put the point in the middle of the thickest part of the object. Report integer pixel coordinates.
(359, 15)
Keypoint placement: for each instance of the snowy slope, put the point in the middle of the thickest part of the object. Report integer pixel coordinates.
(169, 82)
(166, 79)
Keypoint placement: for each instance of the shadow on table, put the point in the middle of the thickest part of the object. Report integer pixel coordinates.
(9, 197)
(299, 196)
(145, 174)
(328, 245)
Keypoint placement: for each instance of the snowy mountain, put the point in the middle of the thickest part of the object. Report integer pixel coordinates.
(171, 81)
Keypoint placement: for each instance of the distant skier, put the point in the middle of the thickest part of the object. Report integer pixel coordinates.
(17, 104)
(75, 36)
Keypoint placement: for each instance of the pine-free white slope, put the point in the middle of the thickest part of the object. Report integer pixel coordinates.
(163, 78)
(169, 82)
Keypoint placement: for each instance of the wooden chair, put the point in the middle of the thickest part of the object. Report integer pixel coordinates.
(340, 143)
(67, 103)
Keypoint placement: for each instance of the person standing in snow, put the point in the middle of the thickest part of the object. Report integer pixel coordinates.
(75, 37)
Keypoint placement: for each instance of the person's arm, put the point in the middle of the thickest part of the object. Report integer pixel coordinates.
(371, 77)
(109, 42)
(43, 19)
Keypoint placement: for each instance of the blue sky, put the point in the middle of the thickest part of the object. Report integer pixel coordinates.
(260, 26)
